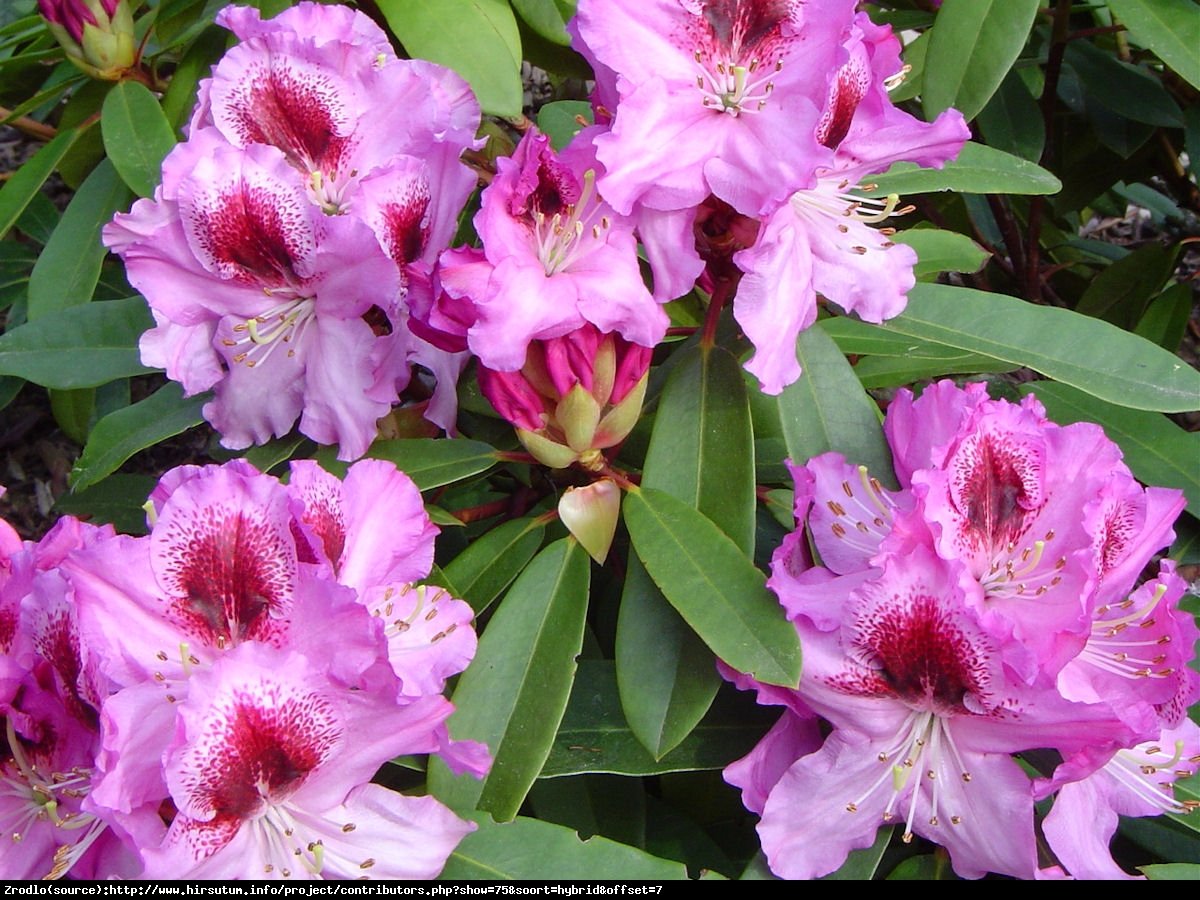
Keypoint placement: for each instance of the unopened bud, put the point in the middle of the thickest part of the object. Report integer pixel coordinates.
(96, 34)
(590, 514)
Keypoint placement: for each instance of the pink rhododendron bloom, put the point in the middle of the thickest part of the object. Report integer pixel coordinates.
(269, 769)
(270, 294)
(820, 241)
(715, 97)
(555, 256)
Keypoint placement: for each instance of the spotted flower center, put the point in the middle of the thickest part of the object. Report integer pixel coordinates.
(283, 325)
(739, 49)
(564, 236)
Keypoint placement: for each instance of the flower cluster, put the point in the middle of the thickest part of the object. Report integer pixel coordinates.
(299, 224)
(990, 606)
(212, 700)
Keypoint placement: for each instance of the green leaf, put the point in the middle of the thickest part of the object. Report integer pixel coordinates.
(117, 500)
(929, 867)
(530, 849)
(545, 18)
(1171, 28)
(73, 411)
(476, 38)
(701, 452)
(887, 372)
(595, 737)
(119, 435)
(1186, 790)
(714, 587)
(1100, 359)
(1165, 320)
(972, 45)
(560, 120)
(19, 190)
(197, 62)
(69, 267)
(1172, 872)
(513, 695)
(861, 865)
(94, 345)
(979, 169)
(482, 571)
(827, 409)
(136, 135)
(40, 218)
(267, 456)
(1120, 293)
(1125, 89)
(606, 805)
(940, 251)
(1012, 120)
(432, 462)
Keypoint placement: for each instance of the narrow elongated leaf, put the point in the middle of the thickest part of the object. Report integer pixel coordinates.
(476, 38)
(1121, 292)
(595, 736)
(1171, 28)
(68, 269)
(940, 251)
(92, 346)
(1126, 89)
(136, 135)
(119, 435)
(19, 190)
(1172, 872)
(482, 571)
(979, 169)
(117, 499)
(701, 452)
(432, 462)
(544, 17)
(884, 372)
(972, 45)
(196, 63)
(714, 587)
(73, 411)
(514, 693)
(1165, 320)
(1012, 121)
(827, 409)
(529, 849)
(40, 218)
(1100, 359)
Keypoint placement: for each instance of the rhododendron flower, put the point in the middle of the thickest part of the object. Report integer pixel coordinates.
(555, 256)
(575, 396)
(820, 240)
(715, 97)
(272, 295)
(96, 34)
(269, 769)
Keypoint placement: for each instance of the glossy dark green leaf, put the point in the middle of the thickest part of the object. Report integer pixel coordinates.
(701, 452)
(827, 409)
(432, 462)
(18, 191)
(119, 435)
(939, 250)
(929, 867)
(73, 411)
(490, 563)
(69, 267)
(476, 38)
(1120, 293)
(1100, 359)
(972, 45)
(1186, 549)
(136, 135)
(513, 695)
(1171, 28)
(94, 345)
(39, 219)
(544, 17)
(118, 500)
(267, 456)
(560, 120)
(1012, 120)
(1166, 318)
(888, 372)
(979, 169)
(605, 805)
(1187, 790)
(1125, 89)
(180, 96)
(595, 737)
(528, 849)
(712, 584)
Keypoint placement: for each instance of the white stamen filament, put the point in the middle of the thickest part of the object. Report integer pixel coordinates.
(733, 88)
(286, 322)
(564, 237)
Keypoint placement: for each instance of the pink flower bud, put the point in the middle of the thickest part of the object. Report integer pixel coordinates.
(590, 514)
(577, 394)
(96, 34)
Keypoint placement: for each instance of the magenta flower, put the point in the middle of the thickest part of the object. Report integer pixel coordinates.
(720, 97)
(261, 296)
(270, 768)
(555, 256)
(97, 35)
